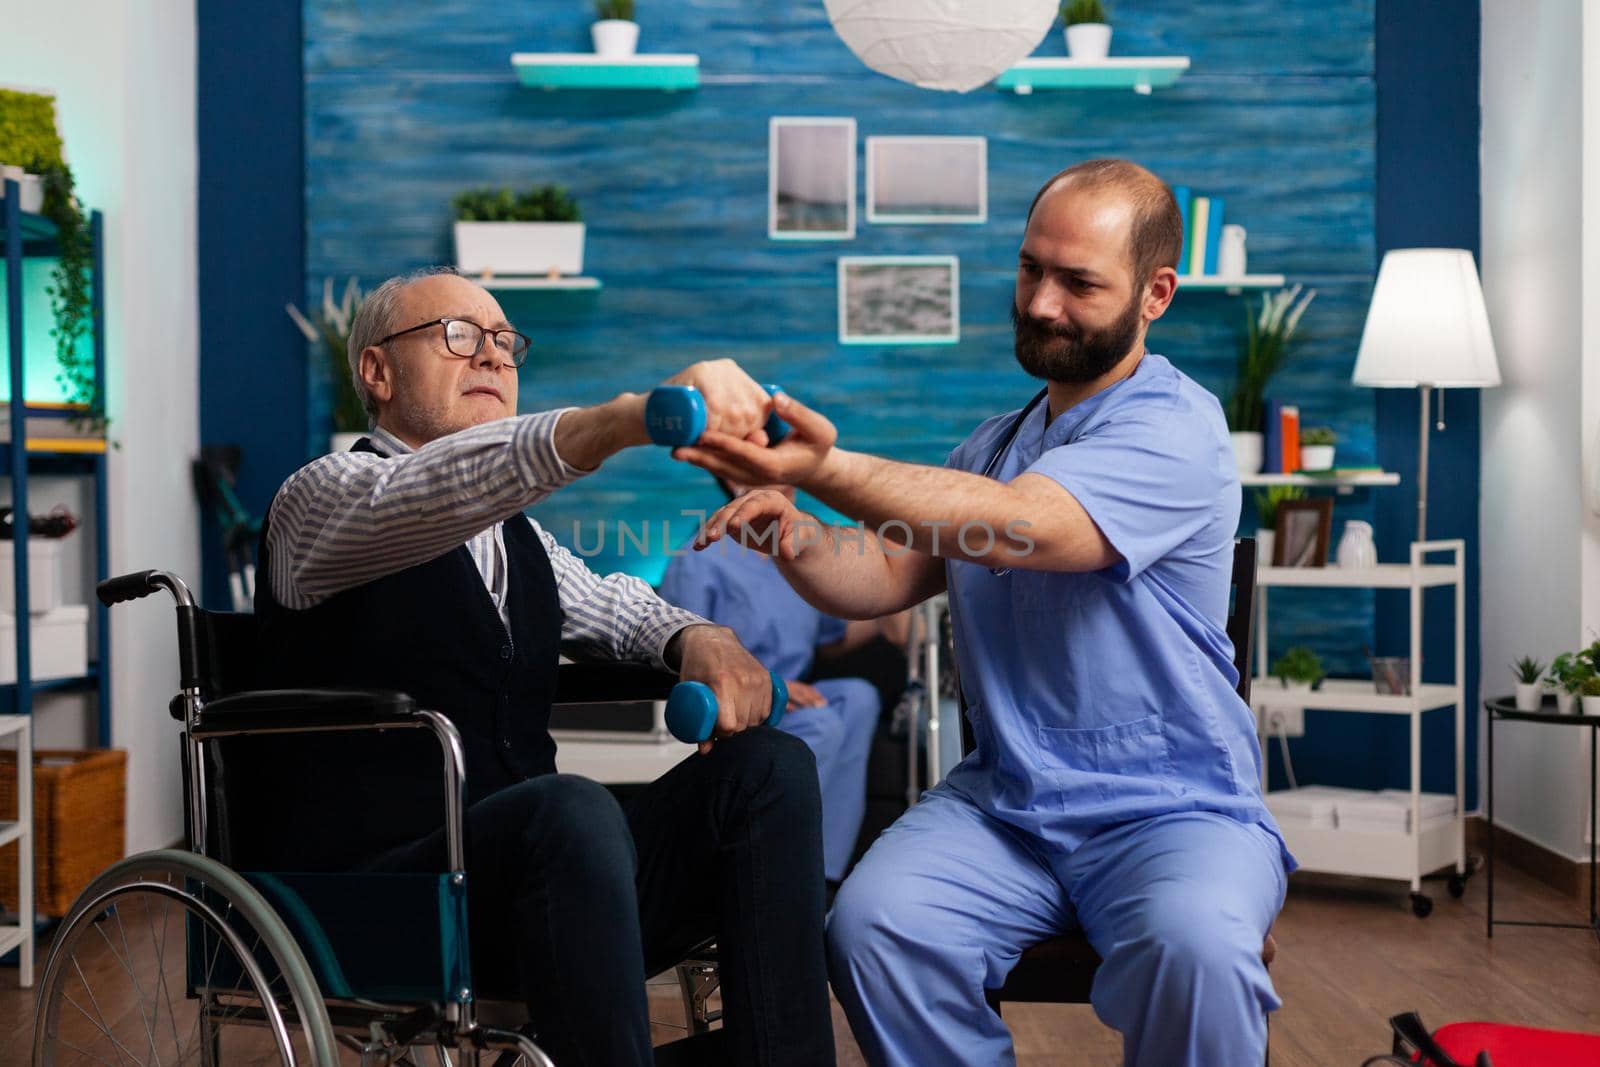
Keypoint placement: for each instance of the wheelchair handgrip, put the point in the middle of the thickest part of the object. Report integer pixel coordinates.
(676, 415)
(126, 587)
(692, 709)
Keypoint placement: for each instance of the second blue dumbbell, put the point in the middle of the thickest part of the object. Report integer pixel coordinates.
(692, 709)
(675, 415)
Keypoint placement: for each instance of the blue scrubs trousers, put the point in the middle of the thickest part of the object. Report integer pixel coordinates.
(944, 902)
(840, 736)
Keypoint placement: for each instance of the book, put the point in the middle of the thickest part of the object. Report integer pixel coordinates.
(1213, 234)
(1289, 430)
(1183, 195)
(1271, 438)
(1199, 222)
(55, 427)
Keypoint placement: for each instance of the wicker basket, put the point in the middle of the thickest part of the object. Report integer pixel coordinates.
(79, 822)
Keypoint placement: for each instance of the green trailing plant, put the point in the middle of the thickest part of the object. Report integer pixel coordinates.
(1298, 664)
(1268, 500)
(71, 292)
(1076, 12)
(542, 203)
(28, 137)
(1568, 673)
(330, 331)
(1589, 658)
(614, 9)
(1318, 435)
(1265, 347)
(1528, 670)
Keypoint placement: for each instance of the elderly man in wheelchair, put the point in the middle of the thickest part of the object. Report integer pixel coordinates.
(341, 889)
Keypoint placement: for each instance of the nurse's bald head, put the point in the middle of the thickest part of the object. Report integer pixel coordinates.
(1155, 228)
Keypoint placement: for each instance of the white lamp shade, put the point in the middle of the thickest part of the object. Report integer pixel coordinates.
(954, 45)
(1427, 324)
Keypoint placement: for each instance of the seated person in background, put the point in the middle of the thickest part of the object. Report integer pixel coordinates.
(740, 588)
(407, 564)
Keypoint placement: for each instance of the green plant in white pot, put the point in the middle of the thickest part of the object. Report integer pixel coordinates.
(1528, 671)
(614, 32)
(538, 232)
(1565, 679)
(1298, 668)
(1590, 692)
(1316, 448)
(1088, 29)
(329, 331)
(1263, 349)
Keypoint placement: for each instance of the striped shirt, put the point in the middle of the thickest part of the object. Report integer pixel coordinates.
(352, 517)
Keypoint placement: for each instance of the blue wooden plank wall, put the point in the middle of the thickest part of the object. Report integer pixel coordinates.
(408, 102)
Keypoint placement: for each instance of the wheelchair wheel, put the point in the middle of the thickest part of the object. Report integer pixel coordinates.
(170, 957)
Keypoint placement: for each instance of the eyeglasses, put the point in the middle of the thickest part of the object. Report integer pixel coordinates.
(464, 338)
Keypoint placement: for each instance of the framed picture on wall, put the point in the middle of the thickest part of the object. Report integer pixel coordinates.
(1301, 539)
(811, 179)
(899, 300)
(927, 179)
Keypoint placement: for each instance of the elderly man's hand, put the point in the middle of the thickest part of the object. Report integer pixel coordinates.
(736, 404)
(790, 462)
(713, 655)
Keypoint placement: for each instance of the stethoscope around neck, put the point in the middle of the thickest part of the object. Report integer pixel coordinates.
(1000, 450)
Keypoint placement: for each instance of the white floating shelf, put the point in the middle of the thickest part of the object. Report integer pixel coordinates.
(1139, 73)
(585, 70)
(510, 281)
(1230, 283)
(1383, 576)
(1351, 694)
(1327, 480)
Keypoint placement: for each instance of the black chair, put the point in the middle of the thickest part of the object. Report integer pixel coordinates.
(1061, 970)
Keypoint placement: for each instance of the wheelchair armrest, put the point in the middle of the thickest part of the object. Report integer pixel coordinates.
(301, 710)
(588, 683)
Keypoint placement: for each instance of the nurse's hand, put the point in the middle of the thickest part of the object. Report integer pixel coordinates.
(713, 655)
(765, 520)
(747, 462)
(802, 695)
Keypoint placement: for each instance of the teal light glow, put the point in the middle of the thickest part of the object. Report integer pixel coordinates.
(38, 348)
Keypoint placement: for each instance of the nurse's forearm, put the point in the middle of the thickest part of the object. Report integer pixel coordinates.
(850, 573)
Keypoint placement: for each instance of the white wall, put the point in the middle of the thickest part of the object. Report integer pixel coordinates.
(1540, 258)
(124, 74)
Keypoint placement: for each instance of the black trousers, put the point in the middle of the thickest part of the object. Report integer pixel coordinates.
(573, 899)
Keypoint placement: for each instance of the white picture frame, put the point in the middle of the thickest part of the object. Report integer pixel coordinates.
(927, 180)
(899, 300)
(811, 178)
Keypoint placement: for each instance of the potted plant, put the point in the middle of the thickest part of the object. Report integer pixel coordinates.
(1590, 691)
(614, 32)
(1528, 671)
(1265, 347)
(536, 232)
(1267, 501)
(330, 331)
(1316, 448)
(1088, 30)
(1565, 679)
(29, 142)
(1298, 669)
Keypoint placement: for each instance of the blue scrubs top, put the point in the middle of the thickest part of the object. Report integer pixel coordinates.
(1102, 698)
(742, 589)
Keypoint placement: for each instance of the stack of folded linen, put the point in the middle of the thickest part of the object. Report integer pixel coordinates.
(1315, 806)
(1389, 811)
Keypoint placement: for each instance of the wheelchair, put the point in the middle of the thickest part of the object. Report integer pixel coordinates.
(179, 956)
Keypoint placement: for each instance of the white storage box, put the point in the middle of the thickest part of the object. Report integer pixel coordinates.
(1389, 811)
(44, 575)
(60, 643)
(1312, 805)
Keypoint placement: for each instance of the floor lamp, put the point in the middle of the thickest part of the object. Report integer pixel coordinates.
(1427, 328)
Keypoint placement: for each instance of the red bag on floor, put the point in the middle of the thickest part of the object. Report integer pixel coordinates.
(1487, 1045)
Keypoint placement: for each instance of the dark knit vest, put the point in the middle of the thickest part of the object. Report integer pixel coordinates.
(432, 631)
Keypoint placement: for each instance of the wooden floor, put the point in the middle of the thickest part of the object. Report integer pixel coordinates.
(1350, 955)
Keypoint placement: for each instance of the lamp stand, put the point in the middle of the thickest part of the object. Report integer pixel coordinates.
(1422, 467)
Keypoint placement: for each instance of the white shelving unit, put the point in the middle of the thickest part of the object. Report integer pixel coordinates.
(1408, 854)
(19, 935)
(1230, 283)
(1340, 482)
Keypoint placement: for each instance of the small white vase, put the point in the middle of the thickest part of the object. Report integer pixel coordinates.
(1088, 40)
(1247, 450)
(614, 38)
(1529, 694)
(1591, 706)
(1316, 457)
(1265, 541)
(344, 441)
(1356, 549)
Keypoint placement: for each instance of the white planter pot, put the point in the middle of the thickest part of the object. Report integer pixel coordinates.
(1088, 40)
(1316, 457)
(1591, 705)
(1529, 694)
(1265, 540)
(31, 193)
(614, 37)
(1566, 703)
(1247, 451)
(344, 441)
(540, 248)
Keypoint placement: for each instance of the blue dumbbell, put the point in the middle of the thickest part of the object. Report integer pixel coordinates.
(676, 415)
(692, 709)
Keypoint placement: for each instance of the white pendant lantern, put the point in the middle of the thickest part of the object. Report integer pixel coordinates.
(955, 45)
